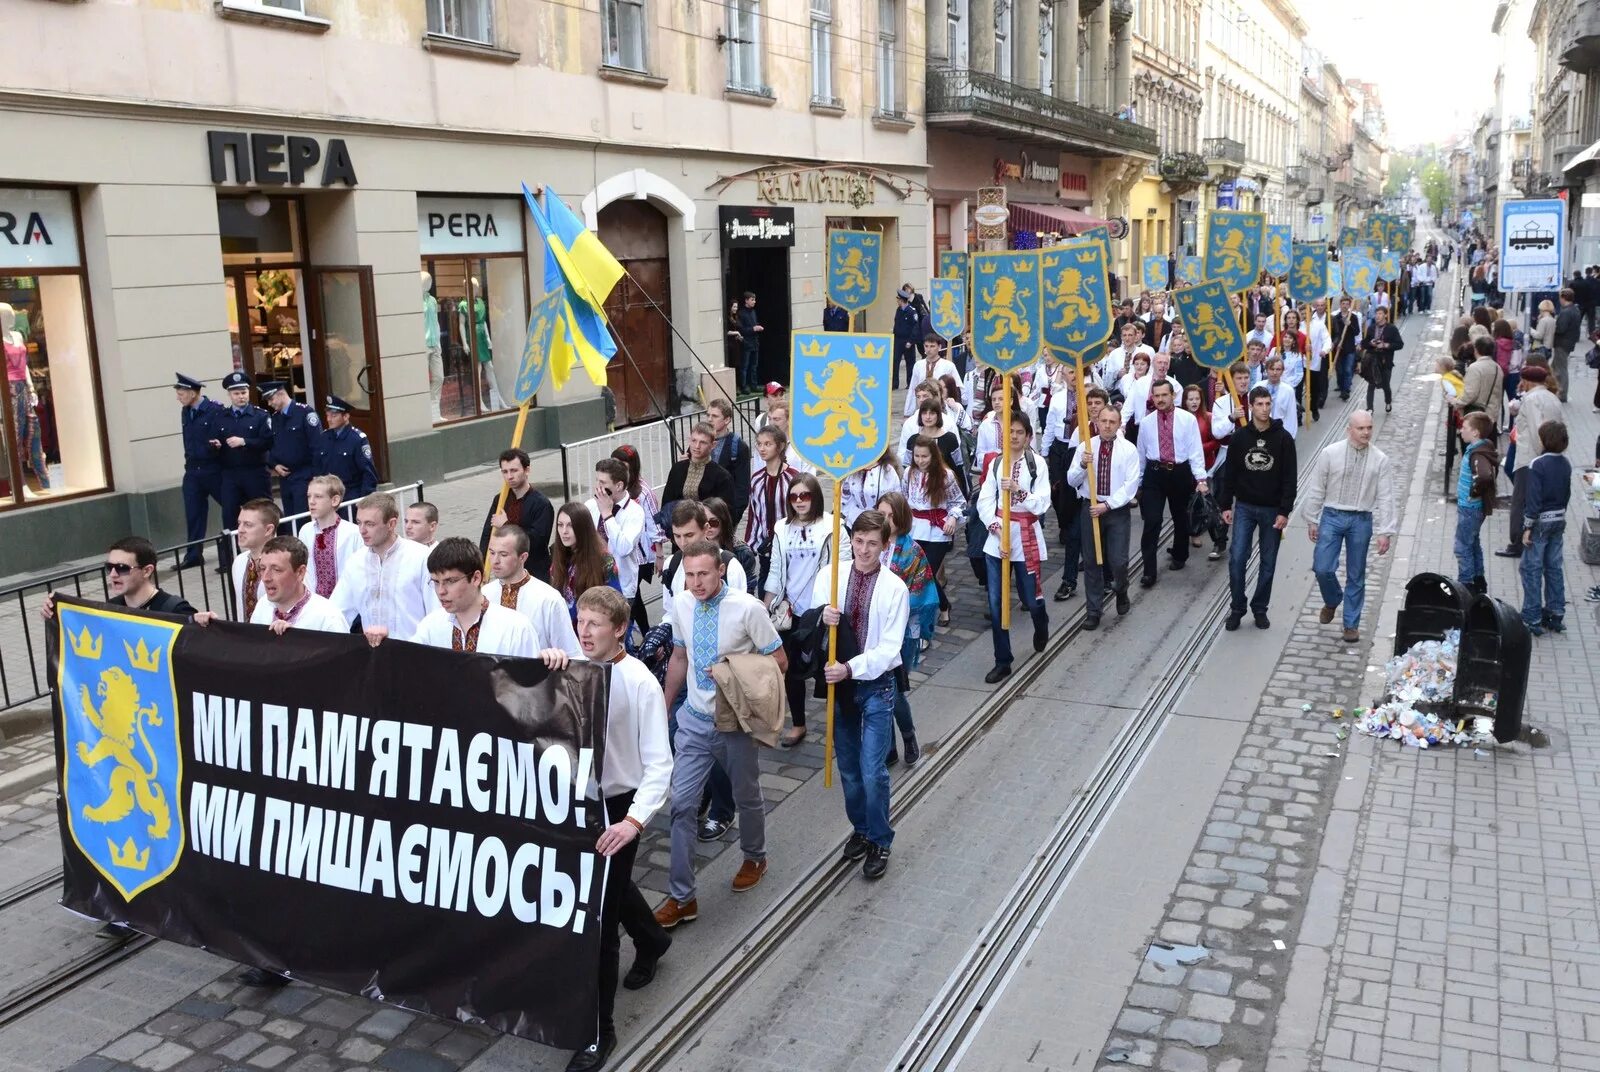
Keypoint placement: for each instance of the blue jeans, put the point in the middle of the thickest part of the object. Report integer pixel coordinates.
(1349, 532)
(863, 729)
(1346, 369)
(1541, 562)
(1469, 549)
(1249, 519)
(1027, 594)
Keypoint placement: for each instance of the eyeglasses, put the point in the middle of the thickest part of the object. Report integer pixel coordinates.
(121, 569)
(800, 496)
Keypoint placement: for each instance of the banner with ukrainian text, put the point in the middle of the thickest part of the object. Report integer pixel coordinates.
(401, 822)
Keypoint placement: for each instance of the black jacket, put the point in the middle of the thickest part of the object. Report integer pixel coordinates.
(538, 521)
(733, 454)
(715, 483)
(1261, 469)
(161, 603)
(1389, 334)
(1345, 338)
(1568, 324)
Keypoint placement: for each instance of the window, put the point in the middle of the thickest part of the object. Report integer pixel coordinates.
(623, 29)
(889, 101)
(52, 442)
(744, 46)
(1047, 47)
(956, 33)
(822, 52)
(1002, 39)
(470, 20)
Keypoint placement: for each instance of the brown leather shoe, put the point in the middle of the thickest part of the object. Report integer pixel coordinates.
(1352, 635)
(671, 913)
(750, 873)
(1325, 615)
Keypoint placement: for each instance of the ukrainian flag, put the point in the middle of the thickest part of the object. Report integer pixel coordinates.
(578, 264)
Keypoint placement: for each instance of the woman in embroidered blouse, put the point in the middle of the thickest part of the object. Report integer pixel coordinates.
(1140, 369)
(930, 426)
(936, 509)
(864, 487)
(905, 560)
(579, 559)
(801, 546)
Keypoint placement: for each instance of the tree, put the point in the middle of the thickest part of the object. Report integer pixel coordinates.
(1436, 187)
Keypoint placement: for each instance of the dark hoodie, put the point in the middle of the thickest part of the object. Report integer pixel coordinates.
(1261, 469)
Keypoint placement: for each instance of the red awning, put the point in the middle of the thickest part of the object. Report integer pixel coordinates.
(1052, 218)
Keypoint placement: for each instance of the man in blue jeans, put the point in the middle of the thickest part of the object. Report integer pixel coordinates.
(1028, 485)
(1350, 497)
(1257, 496)
(874, 607)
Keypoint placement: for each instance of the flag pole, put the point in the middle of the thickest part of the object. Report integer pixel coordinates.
(505, 489)
(1088, 466)
(1005, 500)
(833, 634)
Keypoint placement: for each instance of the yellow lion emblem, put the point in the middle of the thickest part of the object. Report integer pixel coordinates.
(1230, 252)
(944, 306)
(1003, 319)
(851, 274)
(1308, 273)
(1068, 297)
(118, 719)
(842, 397)
(1207, 331)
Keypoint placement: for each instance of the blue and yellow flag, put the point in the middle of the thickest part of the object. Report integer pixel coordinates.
(1275, 257)
(841, 415)
(543, 329)
(121, 759)
(1389, 266)
(854, 259)
(1234, 246)
(1155, 272)
(1349, 236)
(1006, 309)
(1077, 302)
(1335, 279)
(1190, 270)
(1376, 228)
(947, 306)
(1308, 278)
(1360, 272)
(1207, 315)
(576, 264)
(1397, 234)
(953, 264)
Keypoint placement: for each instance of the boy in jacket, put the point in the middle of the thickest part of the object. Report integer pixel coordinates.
(1474, 497)
(1257, 496)
(1544, 516)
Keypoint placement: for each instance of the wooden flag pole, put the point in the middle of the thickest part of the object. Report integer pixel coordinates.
(833, 634)
(1088, 466)
(1005, 500)
(505, 489)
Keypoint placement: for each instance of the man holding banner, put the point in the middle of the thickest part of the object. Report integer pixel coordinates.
(1027, 486)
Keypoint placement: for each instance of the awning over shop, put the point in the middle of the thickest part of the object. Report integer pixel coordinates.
(1583, 163)
(1057, 219)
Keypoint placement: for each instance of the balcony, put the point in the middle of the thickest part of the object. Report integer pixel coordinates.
(1183, 169)
(1295, 175)
(1224, 151)
(1315, 195)
(1521, 170)
(976, 103)
(1580, 48)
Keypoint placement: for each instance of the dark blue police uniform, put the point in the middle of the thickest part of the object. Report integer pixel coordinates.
(202, 468)
(244, 468)
(347, 454)
(296, 431)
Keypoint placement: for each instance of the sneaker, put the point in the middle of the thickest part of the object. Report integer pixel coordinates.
(1066, 591)
(1536, 630)
(1215, 555)
(1555, 625)
(749, 875)
(1233, 622)
(1593, 594)
(712, 829)
(877, 861)
(856, 847)
(1262, 621)
(1147, 581)
(913, 751)
(673, 912)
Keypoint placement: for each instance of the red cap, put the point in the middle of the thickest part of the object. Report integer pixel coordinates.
(774, 388)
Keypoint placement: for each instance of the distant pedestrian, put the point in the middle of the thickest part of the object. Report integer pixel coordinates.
(1381, 342)
(1544, 592)
(835, 317)
(1568, 328)
(296, 434)
(1257, 495)
(202, 467)
(526, 507)
(1474, 497)
(749, 331)
(1537, 404)
(1349, 499)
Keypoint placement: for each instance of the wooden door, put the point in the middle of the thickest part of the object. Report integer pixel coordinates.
(639, 309)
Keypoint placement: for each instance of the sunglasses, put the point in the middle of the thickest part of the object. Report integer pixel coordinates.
(800, 496)
(121, 569)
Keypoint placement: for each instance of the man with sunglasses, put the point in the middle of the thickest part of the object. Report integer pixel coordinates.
(131, 581)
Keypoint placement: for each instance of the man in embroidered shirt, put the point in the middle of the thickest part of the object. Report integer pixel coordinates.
(1113, 464)
(874, 609)
(712, 620)
(1028, 485)
(1284, 406)
(466, 620)
(619, 521)
(386, 583)
(258, 523)
(330, 539)
(290, 603)
(513, 587)
(422, 523)
(1174, 464)
(1109, 369)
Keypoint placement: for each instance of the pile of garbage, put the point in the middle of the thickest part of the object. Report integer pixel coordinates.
(1417, 708)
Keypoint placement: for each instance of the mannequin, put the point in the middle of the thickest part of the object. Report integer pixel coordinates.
(430, 342)
(480, 325)
(24, 403)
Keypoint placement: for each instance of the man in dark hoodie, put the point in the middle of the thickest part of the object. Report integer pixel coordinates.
(1257, 495)
(732, 453)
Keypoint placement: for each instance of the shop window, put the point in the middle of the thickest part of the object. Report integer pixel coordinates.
(52, 436)
(262, 252)
(744, 46)
(475, 321)
(624, 32)
(470, 20)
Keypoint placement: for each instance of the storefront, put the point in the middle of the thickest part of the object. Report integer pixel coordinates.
(756, 243)
(1150, 225)
(1048, 193)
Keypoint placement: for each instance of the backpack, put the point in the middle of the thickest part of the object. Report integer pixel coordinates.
(1027, 458)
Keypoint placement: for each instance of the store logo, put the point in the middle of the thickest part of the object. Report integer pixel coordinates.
(276, 159)
(34, 232)
(759, 230)
(463, 224)
(1026, 169)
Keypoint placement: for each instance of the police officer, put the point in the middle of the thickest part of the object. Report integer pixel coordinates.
(241, 437)
(344, 451)
(202, 468)
(295, 435)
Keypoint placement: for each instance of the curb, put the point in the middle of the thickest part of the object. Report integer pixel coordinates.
(28, 776)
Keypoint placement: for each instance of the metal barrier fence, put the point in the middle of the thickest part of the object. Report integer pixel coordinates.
(659, 443)
(208, 585)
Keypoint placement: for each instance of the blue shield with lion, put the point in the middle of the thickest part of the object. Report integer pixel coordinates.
(121, 757)
(854, 258)
(841, 415)
(947, 306)
(1077, 299)
(1007, 310)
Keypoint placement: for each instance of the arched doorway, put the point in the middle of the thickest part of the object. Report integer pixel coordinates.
(636, 234)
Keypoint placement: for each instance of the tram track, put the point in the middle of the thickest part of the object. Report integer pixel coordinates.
(75, 970)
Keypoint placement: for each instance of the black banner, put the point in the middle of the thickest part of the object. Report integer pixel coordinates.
(401, 822)
(756, 225)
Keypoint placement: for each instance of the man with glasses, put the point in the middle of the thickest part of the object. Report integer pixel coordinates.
(131, 581)
(466, 619)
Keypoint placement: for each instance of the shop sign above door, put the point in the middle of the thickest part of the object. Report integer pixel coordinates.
(37, 229)
(756, 225)
(469, 225)
(1026, 170)
(843, 186)
(277, 159)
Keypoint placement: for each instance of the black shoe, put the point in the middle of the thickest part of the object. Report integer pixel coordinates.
(877, 861)
(997, 675)
(593, 1057)
(1177, 564)
(913, 751)
(1041, 633)
(191, 563)
(1091, 623)
(1123, 603)
(1479, 586)
(262, 977)
(1555, 625)
(644, 968)
(892, 759)
(856, 847)
(711, 829)
(1262, 622)
(1514, 551)
(1147, 581)
(1066, 591)
(1233, 622)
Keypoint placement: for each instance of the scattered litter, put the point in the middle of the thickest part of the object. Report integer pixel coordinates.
(1479, 752)
(1118, 1057)
(1335, 755)
(1305, 707)
(1174, 955)
(1419, 686)
(1337, 712)
(1277, 943)
(1342, 733)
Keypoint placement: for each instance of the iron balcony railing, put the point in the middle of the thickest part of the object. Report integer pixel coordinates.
(1224, 151)
(1183, 167)
(985, 100)
(1295, 175)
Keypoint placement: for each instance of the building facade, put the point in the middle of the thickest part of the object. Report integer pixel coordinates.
(1564, 138)
(1164, 208)
(352, 221)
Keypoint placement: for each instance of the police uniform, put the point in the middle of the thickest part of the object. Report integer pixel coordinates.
(244, 468)
(346, 453)
(202, 467)
(296, 431)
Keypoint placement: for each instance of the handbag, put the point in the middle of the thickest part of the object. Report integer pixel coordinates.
(782, 616)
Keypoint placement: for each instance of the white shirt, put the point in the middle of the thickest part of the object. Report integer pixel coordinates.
(1126, 472)
(742, 626)
(1186, 445)
(1136, 399)
(1223, 426)
(394, 592)
(319, 614)
(1055, 419)
(1109, 369)
(917, 497)
(500, 632)
(887, 614)
(798, 554)
(621, 532)
(1344, 478)
(863, 488)
(346, 544)
(241, 562)
(545, 610)
(920, 373)
(638, 754)
(1320, 342)
(1294, 368)
(1285, 409)
(1028, 496)
(733, 576)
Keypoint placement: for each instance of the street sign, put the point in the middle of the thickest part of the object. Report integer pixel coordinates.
(1532, 244)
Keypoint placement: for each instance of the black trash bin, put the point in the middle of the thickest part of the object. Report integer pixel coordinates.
(1435, 604)
(1492, 672)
